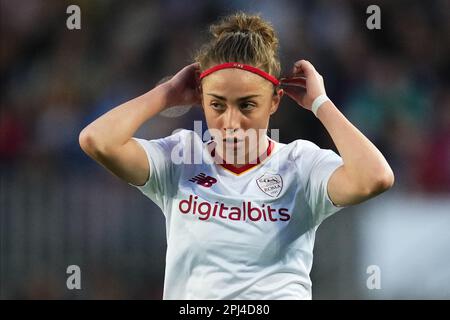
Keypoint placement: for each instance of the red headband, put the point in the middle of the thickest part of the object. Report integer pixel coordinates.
(246, 67)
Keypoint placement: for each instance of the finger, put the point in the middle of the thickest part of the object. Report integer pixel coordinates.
(194, 65)
(193, 68)
(295, 94)
(297, 71)
(293, 81)
(304, 66)
(295, 90)
(296, 100)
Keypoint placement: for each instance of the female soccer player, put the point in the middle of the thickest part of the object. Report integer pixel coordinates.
(241, 209)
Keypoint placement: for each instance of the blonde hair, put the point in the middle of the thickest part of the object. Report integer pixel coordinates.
(244, 38)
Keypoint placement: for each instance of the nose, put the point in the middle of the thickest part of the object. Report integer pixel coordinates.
(232, 121)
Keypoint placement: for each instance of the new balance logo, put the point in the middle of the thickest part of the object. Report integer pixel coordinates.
(203, 180)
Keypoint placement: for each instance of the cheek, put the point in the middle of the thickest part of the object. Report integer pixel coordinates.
(260, 118)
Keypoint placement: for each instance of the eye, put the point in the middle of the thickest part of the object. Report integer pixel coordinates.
(217, 106)
(247, 106)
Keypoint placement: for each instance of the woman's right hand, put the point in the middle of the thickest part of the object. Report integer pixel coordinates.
(184, 87)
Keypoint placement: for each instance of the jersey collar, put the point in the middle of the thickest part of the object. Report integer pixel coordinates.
(244, 168)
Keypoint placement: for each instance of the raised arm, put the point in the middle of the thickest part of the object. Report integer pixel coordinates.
(108, 140)
(365, 172)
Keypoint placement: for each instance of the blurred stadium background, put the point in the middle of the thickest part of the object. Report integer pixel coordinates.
(59, 208)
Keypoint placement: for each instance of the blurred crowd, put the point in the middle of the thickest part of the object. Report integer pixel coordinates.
(391, 83)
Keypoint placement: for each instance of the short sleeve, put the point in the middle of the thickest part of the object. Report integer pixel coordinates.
(316, 166)
(163, 181)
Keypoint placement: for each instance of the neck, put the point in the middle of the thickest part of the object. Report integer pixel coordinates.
(248, 154)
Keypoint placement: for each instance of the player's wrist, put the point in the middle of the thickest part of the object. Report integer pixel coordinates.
(318, 102)
(168, 92)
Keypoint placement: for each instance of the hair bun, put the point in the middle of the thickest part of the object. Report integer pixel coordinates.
(243, 38)
(242, 23)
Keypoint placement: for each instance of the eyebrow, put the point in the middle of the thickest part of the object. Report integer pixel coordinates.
(239, 99)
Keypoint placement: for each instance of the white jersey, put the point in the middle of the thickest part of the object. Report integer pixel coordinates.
(231, 235)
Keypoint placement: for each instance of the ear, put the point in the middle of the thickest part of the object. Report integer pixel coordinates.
(276, 99)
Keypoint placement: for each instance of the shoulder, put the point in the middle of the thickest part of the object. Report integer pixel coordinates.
(298, 148)
(305, 145)
(307, 155)
(179, 138)
(179, 135)
(174, 144)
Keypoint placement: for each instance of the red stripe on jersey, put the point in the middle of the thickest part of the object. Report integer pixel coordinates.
(239, 170)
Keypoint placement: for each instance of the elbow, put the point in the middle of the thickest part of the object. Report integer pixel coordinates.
(88, 142)
(390, 180)
(382, 182)
(372, 186)
(94, 145)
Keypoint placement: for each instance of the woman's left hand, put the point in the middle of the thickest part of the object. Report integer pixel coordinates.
(312, 82)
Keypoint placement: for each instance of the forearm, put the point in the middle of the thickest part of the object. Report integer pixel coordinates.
(364, 164)
(117, 126)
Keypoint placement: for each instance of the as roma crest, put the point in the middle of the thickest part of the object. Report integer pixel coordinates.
(270, 184)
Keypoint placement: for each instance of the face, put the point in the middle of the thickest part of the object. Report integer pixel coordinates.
(238, 105)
